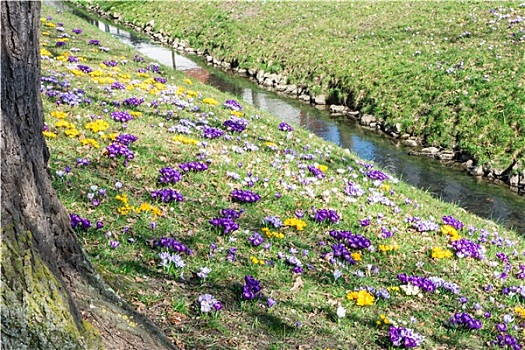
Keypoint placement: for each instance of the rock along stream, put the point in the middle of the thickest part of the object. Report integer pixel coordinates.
(491, 201)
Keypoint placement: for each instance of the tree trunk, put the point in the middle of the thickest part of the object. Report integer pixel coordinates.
(51, 297)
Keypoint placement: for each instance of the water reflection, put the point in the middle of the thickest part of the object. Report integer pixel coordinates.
(486, 200)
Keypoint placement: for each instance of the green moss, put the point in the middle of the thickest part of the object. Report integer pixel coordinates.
(92, 336)
(36, 314)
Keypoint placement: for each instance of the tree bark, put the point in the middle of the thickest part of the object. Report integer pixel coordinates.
(51, 296)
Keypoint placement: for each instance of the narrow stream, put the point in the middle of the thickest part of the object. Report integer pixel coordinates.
(484, 199)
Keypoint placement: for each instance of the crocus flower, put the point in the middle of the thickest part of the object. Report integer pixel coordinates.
(404, 337)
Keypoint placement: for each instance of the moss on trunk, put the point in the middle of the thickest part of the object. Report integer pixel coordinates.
(35, 311)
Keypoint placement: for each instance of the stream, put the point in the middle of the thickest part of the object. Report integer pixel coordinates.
(491, 201)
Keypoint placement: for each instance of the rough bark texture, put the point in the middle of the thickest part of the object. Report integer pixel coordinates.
(51, 297)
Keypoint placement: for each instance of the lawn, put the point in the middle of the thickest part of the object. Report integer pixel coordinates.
(234, 230)
(448, 73)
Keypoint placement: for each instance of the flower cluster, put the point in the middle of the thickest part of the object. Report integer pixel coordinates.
(203, 272)
(126, 139)
(97, 125)
(272, 234)
(256, 239)
(110, 63)
(121, 116)
(210, 101)
(352, 240)
(465, 320)
(118, 86)
(84, 68)
(116, 149)
(440, 253)
(226, 222)
(466, 248)
(316, 172)
(323, 215)
(404, 337)
(236, 124)
(212, 133)
(193, 166)
(362, 297)
(297, 265)
(251, 288)
(424, 283)
(451, 232)
(340, 251)
(508, 341)
(167, 195)
(133, 101)
(377, 292)
(273, 220)
(77, 30)
(245, 196)
(82, 161)
(169, 175)
(233, 105)
(154, 67)
(451, 221)
(173, 244)
(285, 127)
(376, 175)
(294, 222)
(94, 42)
(227, 225)
(354, 190)
(77, 221)
(167, 259)
(521, 274)
(422, 225)
(209, 303)
(441, 283)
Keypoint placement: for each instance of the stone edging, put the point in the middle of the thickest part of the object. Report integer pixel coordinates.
(277, 83)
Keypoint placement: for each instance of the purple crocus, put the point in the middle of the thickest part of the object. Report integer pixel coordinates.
(251, 289)
(193, 166)
(173, 244)
(121, 116)
(326, 215)
(451, 221)
(169, 175)
(236, 124)
(77, 221)
(233, 105)
(256, 239)
(245, 196)
(465, 320)
(285, 127)
(405, 337)
(167, 195)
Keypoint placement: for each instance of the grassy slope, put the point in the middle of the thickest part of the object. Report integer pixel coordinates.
(390, 59)
(305, 313)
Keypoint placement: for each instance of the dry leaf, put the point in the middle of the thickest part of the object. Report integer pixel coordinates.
(298, 283)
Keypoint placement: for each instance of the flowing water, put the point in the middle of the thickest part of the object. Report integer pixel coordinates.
(484, 199)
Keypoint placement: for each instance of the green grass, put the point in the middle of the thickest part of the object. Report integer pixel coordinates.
(450, 73)
(305, 312)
